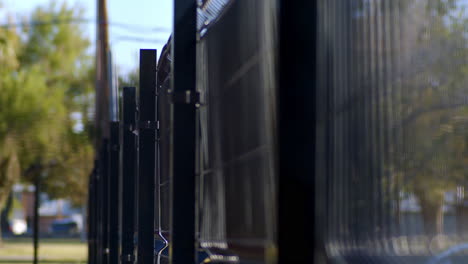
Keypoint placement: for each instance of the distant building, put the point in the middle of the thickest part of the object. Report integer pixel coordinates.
(49, 210)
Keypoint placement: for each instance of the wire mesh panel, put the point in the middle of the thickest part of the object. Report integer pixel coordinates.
(163, 237)
(392, 130)
(235, 162)
(209, 11)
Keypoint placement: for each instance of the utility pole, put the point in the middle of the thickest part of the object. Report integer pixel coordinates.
(102, 76)
(101, 121)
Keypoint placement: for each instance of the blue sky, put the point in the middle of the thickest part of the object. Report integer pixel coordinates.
(146, 14)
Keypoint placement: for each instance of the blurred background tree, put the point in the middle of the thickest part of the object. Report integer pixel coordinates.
(46, 101)
(434, 111)
(131, 79)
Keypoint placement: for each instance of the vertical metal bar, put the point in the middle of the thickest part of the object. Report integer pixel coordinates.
(91, 218)
(95, 211)
(37, 183)
(114, 198)
(104, 193)
(296, 208)
(128, 174)
(182, 249)
(98, 202)
(146, 156)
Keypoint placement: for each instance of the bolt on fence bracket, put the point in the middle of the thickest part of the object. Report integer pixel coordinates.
(186, 97)
(115, 147)
(128, 258)
(150, 125)
(130, 127)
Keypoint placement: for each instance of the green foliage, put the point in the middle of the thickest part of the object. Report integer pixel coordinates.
(435, 120)
(46, 80)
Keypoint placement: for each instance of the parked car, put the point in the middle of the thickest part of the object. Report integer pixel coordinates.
(64, 227)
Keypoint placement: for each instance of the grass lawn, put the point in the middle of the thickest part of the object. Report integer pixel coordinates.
(20, 250)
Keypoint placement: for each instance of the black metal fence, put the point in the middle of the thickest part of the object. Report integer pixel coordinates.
(290, 132)
(190, 172)
(122, 186)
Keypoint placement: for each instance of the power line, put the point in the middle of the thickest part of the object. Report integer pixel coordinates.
(131, 27)
(137, 27)
(136, 39)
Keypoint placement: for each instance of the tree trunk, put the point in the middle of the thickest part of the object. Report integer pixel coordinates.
(6, 201)
(461, 213)
(433, 218)
(1, 235)
(9, 174)
(432, 212)
(4, 215)
(2, 212)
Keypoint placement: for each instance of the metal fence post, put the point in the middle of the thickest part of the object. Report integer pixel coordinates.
(147, 151)
(104, 201)
(92, 216)
(114, 197)
(98, 212)
(182, 248)
(128, 175)
(296, 125)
